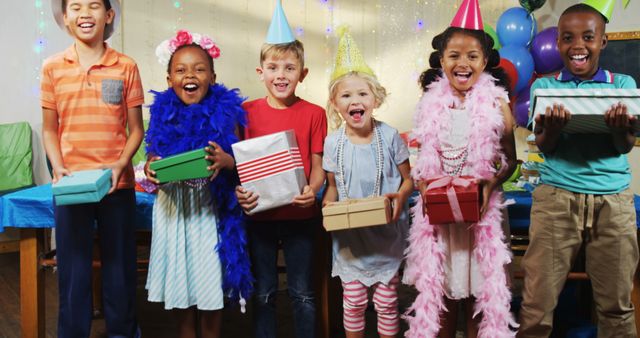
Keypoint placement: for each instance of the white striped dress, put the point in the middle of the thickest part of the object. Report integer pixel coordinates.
(184, 267)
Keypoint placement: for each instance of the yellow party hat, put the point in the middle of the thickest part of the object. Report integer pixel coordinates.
(348, 57)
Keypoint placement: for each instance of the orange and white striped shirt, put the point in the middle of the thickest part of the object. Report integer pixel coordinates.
(92, 107)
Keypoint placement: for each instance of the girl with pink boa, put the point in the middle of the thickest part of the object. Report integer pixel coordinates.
(464, 126)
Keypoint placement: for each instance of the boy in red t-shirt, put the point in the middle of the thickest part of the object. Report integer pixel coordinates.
(281, 69)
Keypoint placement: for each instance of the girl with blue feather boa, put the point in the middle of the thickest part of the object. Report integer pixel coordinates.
(198, 247)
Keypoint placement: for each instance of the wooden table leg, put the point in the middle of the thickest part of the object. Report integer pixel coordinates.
(31, 284)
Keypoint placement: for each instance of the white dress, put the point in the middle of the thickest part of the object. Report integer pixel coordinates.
(184, 267)
(462, 273)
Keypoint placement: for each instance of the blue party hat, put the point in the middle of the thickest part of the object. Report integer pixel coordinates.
(279, 30)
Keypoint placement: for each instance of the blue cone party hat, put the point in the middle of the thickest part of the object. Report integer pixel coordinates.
(279, 30)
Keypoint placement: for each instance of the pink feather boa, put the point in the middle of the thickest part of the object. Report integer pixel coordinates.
(425, 255)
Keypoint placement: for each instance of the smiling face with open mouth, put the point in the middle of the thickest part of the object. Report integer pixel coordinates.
(86, 19)
(462, 62)
(355, 102)
(580, 39)
(190, 74)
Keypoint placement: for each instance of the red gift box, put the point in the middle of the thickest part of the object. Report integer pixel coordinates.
(453, 200)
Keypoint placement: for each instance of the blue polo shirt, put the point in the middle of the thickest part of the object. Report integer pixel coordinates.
(586, 163)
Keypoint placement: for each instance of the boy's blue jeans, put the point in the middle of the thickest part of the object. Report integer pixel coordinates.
(75, 227)
(298, 244)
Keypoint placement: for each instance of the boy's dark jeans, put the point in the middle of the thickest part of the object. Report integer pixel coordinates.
(298, 245)
(75, 227)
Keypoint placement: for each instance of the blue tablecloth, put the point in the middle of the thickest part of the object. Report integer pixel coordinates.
(33, 208)
(519, 212)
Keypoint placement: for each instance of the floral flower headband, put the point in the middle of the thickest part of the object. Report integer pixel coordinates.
(183, 37)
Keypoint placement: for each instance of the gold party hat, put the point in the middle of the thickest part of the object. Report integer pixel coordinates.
(348, 57)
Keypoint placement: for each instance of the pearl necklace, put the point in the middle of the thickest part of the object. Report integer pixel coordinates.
(340, 182)
(453, 160)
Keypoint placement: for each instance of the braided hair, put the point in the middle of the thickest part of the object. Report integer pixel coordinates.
(439, 44)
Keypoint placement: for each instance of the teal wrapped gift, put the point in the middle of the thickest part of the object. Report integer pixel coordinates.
(86, 186)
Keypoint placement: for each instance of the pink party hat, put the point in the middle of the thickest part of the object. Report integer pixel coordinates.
(468, 16)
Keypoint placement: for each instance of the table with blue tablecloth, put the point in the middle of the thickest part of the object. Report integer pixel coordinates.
(33, 208)
(31, 211)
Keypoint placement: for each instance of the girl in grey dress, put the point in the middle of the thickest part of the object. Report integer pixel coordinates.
(363, 158)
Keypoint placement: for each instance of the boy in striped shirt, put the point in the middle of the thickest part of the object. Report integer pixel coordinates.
(91, 97)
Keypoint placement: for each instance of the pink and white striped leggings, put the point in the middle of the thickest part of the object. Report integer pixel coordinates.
(385, 300)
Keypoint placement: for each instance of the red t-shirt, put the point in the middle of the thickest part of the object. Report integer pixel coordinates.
(309, 122)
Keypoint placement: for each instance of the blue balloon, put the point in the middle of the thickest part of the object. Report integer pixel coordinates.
(516, 27)
(522, 60)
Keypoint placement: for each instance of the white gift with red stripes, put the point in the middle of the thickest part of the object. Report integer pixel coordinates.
(272, 167)
(587, 106)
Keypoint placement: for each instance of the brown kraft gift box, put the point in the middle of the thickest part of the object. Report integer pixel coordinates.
(357, 213)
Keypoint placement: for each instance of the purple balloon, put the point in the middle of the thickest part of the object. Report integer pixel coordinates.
(544, 50)
(521, 107)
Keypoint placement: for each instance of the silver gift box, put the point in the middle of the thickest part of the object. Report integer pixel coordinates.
(272, 167)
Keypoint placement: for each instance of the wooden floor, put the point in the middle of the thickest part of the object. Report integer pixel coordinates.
(154, 321)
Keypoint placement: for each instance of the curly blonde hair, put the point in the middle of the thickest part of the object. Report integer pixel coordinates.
(379, 93)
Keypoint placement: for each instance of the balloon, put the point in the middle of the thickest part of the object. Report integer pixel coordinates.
(516, 27)
(522, 60)
(511, 71)
(521, 109)
(494, 36)
(544, 51)
(532, 5)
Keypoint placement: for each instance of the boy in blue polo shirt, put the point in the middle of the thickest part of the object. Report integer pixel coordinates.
(584, 195)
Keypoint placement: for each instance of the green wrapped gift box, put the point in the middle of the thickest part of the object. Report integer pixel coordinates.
(85, 186)
(183, 166)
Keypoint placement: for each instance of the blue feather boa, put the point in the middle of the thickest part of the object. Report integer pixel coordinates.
(175, 128)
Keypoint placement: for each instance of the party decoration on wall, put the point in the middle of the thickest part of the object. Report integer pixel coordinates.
(39, 46)
(521, 107)
(605, 7)
(532, 5)
(279, 30)
(511, 71)
(516, 26)
(523, 62)
(544, 51)
(468, 16)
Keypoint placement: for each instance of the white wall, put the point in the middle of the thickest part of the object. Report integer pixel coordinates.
(385, 30)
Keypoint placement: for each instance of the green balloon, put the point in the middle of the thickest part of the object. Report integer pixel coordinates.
(532, 5)
(494, 36)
